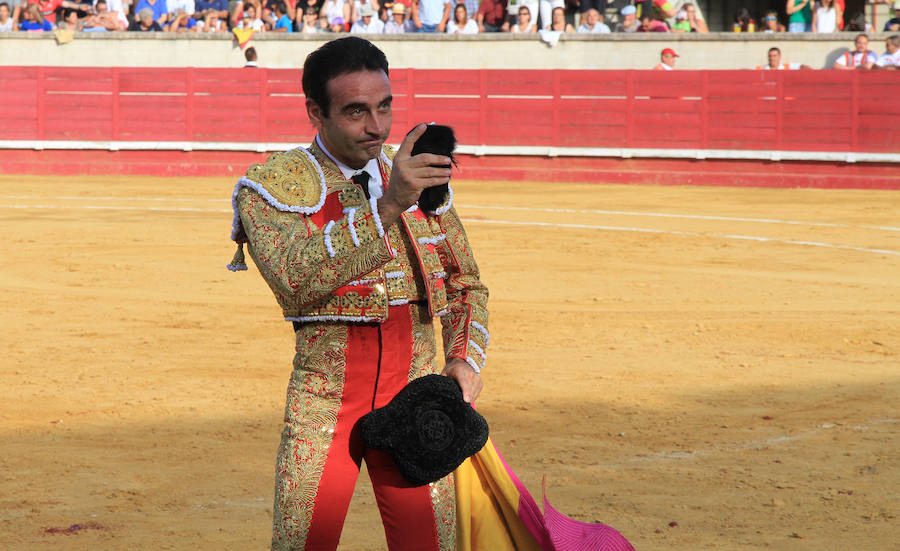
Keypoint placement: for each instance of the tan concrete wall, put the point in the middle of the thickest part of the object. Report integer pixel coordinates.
(614, 51)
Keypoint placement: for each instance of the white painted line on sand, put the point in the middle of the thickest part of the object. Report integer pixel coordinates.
(686, 233)
(501, 222)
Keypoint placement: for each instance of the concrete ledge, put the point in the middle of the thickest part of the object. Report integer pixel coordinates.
(488, 51)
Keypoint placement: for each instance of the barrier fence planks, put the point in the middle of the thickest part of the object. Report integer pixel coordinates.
(733, 110)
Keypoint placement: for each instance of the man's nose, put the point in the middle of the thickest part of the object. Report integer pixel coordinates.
(376, 124)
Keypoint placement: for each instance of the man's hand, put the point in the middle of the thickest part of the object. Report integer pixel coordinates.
(409, 176)
(469, 381)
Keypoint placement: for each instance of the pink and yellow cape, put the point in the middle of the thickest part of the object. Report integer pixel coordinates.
(496, 512)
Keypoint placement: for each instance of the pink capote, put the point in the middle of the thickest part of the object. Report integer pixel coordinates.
(495, 512)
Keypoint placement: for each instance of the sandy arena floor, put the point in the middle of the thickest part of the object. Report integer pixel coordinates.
(702, 368)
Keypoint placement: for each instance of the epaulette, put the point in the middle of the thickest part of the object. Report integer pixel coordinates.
(291, 181)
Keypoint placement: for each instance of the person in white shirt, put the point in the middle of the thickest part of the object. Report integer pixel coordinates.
(6, 21)
(825, 17)
(523, 23)
(461, 24)
(861, 58)
(776, 64)
(594, 23)
(250, 20)
(666, 60)
(368, 23)
(891, 58)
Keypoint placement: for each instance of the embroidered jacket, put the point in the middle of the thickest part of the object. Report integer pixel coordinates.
(320, 246)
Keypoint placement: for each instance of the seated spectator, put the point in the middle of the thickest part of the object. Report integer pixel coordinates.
(250, 56)
(523, 24)
(512, 11)
(743, 23)
(799, 16)
(890, 59)
(70, 21)
(283, 21)
(593, 23)
(182, 23)
(546, 8)
(461, 24)
(250, 18)
(102, 20)
(368, 23)
(6, 21)
(694, 16)
(202, 8)
(158, 7)
(356, 7)
(398, 23)
(681, 23)
(268, 11)
(212, 23)
(337, 12)
(860, 58)
(558, 22)
(34, 20)
(309, 24)
(771, 23)
(776, 64)
(144, 22)
(826, 16)
(117, 9)
(628, 22)
(650, 25)
(491, 16)
(666, 60)
(893, 24)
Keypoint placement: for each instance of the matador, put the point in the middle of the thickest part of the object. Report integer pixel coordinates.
(361, 272)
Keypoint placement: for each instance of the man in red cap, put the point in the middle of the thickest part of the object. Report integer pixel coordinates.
(667, 60)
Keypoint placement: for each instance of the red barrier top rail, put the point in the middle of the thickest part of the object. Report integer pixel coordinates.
(828, 111)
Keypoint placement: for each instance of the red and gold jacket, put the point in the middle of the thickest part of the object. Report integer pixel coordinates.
(320, 246)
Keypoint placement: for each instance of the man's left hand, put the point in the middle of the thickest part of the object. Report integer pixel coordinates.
(469, 381)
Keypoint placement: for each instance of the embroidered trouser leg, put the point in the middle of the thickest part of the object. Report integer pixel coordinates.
(341, 372)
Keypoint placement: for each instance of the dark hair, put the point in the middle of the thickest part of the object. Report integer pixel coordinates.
(774, 49)
(249, 53)
(4, 4)
(336, 58)
(104, 1)
(280, 7)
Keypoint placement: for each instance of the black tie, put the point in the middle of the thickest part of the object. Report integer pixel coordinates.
(362, 178)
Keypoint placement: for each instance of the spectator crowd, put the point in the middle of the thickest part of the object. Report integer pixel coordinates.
(245, 17)
(416, 16)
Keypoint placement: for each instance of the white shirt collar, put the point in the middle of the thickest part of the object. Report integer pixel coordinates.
(376, 185)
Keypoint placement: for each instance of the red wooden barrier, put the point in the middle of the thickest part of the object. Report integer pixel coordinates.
(848, 111)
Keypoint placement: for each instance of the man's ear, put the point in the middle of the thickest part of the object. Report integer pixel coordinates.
(315, 113)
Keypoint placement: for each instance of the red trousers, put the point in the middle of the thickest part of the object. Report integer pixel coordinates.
(343, 371)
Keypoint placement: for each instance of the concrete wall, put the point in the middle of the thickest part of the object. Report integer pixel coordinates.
(494, 51)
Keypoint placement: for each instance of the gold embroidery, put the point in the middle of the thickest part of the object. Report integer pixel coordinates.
(443, 494)
(313, 400)
(290, 177)
(443, 500)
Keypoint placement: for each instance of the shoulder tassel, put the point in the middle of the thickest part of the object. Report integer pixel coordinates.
(238, 264)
